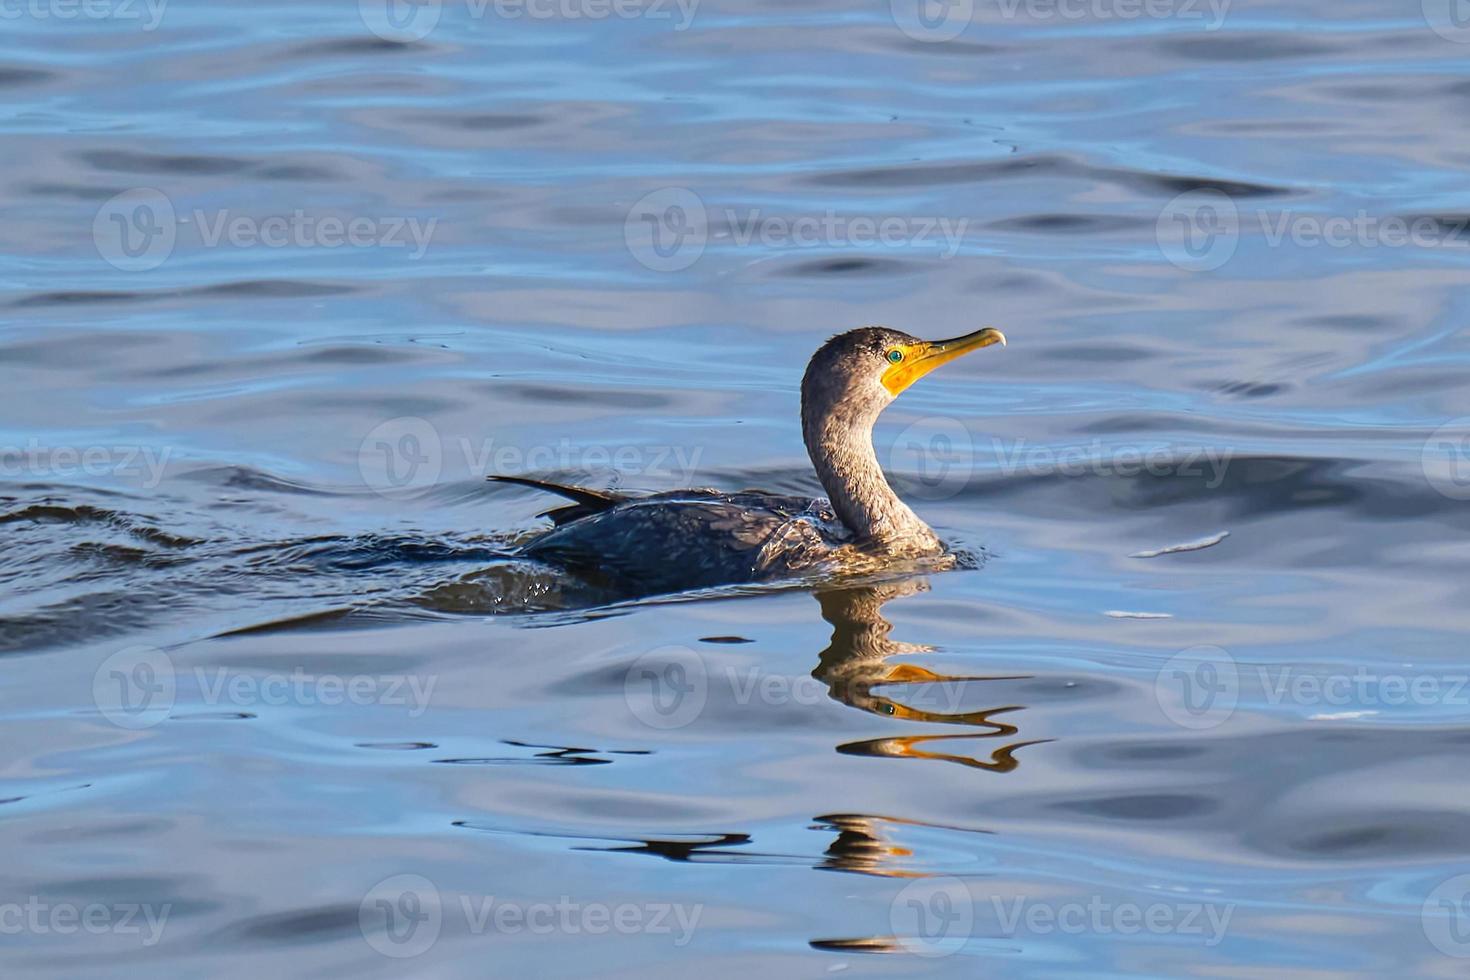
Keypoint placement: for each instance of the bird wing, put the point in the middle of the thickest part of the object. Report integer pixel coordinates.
(588, 502)
(676, 541)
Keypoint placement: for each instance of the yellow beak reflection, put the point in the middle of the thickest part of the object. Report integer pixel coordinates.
(921, 358)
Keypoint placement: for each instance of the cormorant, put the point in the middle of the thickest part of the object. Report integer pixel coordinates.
(680, 540)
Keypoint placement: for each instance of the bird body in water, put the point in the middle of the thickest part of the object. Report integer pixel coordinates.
(700, 538)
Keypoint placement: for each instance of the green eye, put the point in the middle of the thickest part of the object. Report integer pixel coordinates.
(894, 356)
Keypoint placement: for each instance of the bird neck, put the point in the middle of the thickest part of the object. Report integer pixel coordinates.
(841, 448)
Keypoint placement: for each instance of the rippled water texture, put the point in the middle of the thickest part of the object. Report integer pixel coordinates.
(282, 282)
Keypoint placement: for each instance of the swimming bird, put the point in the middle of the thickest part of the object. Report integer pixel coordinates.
(680, 540)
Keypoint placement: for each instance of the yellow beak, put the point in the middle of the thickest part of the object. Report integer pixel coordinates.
(921, 358)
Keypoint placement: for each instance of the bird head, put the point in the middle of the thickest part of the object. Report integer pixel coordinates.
(864, 370)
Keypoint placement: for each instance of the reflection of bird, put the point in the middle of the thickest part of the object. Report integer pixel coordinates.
(857, 661)
(690, 539)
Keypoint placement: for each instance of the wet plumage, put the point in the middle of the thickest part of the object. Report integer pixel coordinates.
(699, 538)
(694, 538)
